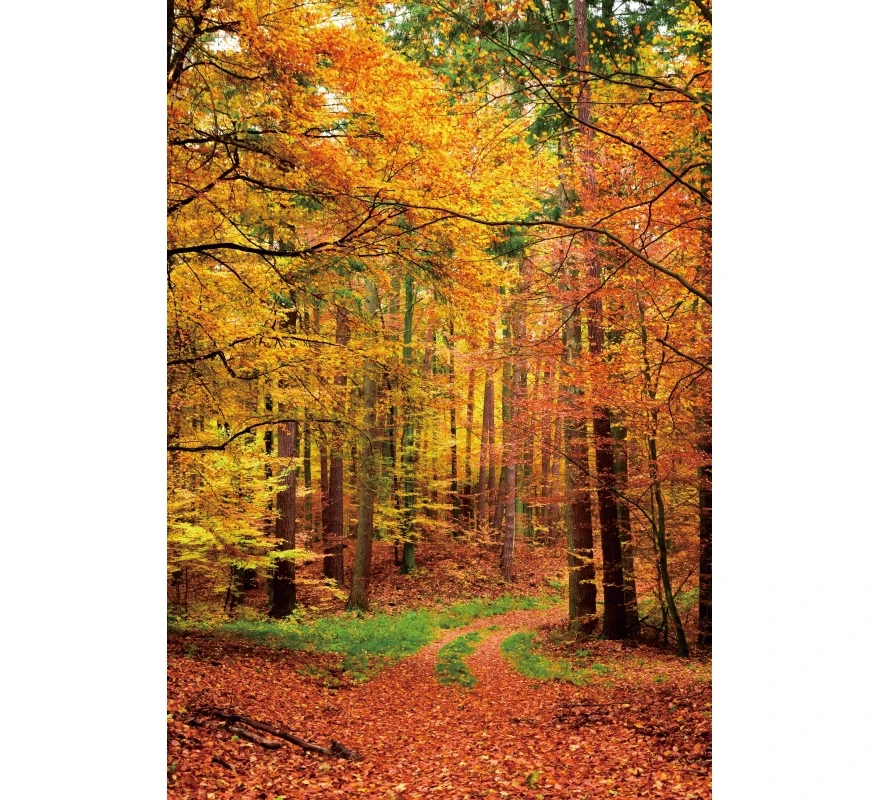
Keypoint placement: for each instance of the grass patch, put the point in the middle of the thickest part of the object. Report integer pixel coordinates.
(461, 614)
(520, 651)
(367, 643)
(450, 666)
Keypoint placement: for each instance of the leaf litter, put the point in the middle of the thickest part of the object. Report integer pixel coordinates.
(640, 728)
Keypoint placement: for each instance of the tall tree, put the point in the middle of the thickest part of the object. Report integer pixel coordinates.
(284, 579)
(334, 529)
(704, 477)
(408, 520)
(368, 473)
(582, 591)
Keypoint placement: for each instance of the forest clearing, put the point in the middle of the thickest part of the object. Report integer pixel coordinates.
(439, 399)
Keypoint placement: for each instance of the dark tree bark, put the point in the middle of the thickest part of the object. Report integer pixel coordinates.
(612, 573)
(611, 550)
(284, 579)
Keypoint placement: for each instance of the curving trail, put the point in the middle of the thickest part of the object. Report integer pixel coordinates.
(445, 738)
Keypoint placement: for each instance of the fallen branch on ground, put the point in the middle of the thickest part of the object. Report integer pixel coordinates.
(336, 749)
(252, 737)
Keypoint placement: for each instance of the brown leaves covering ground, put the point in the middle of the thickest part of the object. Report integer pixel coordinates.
(639, 729)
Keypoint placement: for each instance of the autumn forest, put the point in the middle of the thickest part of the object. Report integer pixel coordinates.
(439, 399)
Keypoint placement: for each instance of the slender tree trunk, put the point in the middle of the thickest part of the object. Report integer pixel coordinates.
(525, 488)
(369, 474)
(662, 542)
(334, 532)
(492, 487)
(657, 498)
(284, 580)
(511, 397)
(486, 470)
(546, 463)
(453, 431)
(306, 479)
(467, 499)
(582, 591)
(554, 511)
(324, 484)
(705, 536)
(621, 473)
(500, 498)
(408, 520)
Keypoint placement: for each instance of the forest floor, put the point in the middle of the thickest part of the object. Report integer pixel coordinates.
(640, 726)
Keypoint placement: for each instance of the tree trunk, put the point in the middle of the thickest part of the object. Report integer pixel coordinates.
(324, 484)
(582, 591)
(612, 574)
(467, 498)
(611, 550)
(662, 543)
(554, 511)
(408, 519)
(705, 536)
(334, 532)
(621, 473)
(453, 432)
(510, 396)
(284, 579)
(368, 474)
(483, 489)
(306, 479)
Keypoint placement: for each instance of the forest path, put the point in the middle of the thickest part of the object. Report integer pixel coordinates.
(449, 741)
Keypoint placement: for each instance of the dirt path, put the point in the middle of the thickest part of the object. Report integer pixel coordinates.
(502, 739)
(441, 740)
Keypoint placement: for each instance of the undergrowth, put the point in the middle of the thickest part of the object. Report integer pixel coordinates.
(520, 651)
(463, 613)
(367, 642)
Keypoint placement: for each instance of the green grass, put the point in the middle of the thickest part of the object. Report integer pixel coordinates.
(450, 666)
(520, 651)
(461, 614)
(369, 642)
